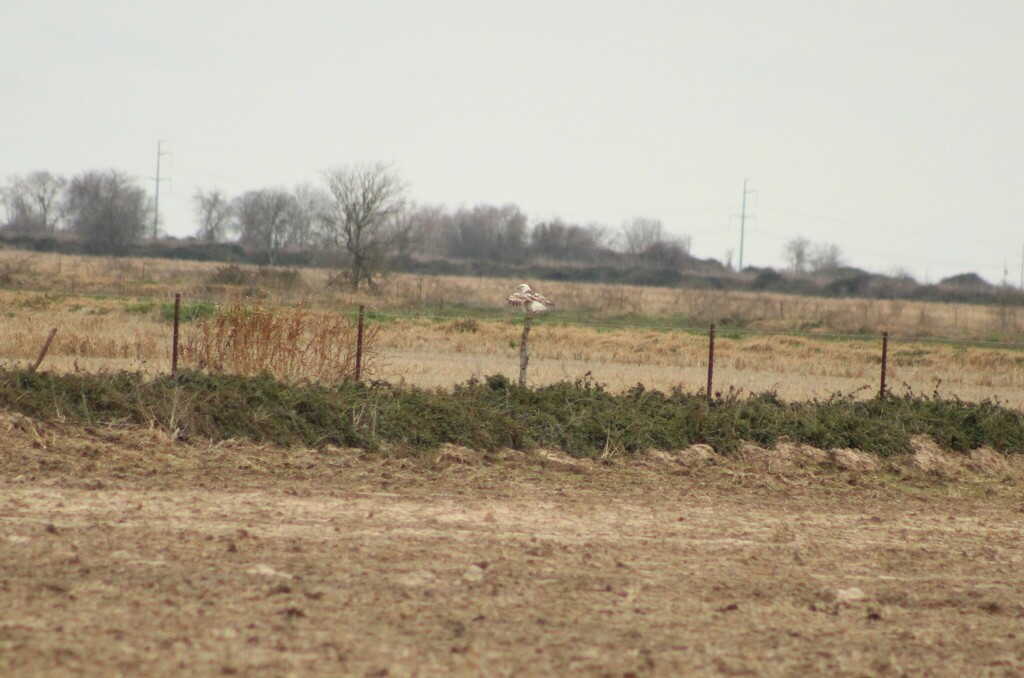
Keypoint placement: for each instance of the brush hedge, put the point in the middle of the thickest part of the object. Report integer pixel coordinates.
(581, 418)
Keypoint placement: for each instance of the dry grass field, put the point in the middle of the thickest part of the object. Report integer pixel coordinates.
(110, 315)
(125, 553)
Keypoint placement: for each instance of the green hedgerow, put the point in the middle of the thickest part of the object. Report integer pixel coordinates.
(581, 417)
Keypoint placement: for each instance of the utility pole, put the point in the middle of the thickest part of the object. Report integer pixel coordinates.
(1022, 268)
(156, 201)
(743, 221)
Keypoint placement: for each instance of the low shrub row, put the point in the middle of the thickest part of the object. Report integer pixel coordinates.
(581, 418)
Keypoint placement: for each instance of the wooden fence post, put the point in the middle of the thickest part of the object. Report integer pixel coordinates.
(524, 350)
(359, 343)
(885, 360)
(174, 341)
(711, 359)
(42, 353)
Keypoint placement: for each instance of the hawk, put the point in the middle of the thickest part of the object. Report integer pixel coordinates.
(530, 301)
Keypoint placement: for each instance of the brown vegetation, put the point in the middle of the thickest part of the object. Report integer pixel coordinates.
(443, 330)
(289, 343)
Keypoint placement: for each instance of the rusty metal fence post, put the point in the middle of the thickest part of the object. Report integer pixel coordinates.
(711, 359)
(885, 360)
(359, 344)
(174, 341)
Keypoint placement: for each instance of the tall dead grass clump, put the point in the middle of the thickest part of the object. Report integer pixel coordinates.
(288, 343)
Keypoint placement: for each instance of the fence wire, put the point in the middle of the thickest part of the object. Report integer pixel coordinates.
(724, 332)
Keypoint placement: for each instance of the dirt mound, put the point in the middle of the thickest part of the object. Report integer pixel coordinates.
(560, 459)
(987, 461)
(854, 460)
(695, 455)
(89, 454)
(930, 459)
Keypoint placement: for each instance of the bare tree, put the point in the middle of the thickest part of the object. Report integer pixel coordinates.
(264, 220)
(34, 203)
(487, 232)
(796, 251)
(901, 273)
(639, 234)
(567, 242)
(428, 228)
(366, 198)
(310, 205)
(825, 257)
(410, 226)
(668, 253)
(107, 210)
(215, 214)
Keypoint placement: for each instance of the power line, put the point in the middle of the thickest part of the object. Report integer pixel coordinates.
(743, 221)
(880, 229)
(156, 201)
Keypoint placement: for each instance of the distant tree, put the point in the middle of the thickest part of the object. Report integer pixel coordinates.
(107, 210)
(264, 220)
(215, 215)
(639, 234)
(566, 242)
(668, 253)
(311, 204)
(429, 225)
(969, 281)
(410, 226)
(795, 252)
(489, 233)
(361, 218)
(600, 234)
(34, 203)
(825, 257)
(902, 273)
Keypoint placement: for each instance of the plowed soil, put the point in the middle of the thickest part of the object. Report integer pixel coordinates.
(123, 552)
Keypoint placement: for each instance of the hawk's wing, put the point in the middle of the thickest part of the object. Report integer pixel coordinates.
(539, 298)
(520, 298)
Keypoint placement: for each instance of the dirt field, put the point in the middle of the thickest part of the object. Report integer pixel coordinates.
(125, 553)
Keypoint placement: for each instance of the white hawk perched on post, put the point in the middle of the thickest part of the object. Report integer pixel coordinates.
(531, 302)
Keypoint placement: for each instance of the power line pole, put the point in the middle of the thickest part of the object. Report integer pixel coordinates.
(743, 220)
(156, 200)
(1022, 267)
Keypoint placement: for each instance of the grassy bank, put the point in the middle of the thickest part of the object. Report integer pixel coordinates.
(580, 418)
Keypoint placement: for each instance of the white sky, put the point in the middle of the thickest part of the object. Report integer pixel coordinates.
(891, 128)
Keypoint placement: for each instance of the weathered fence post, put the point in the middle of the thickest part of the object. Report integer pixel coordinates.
(711, 359)
(885, 359)
(42, 353)
(174, 341)
(524, 350)
(359, 343)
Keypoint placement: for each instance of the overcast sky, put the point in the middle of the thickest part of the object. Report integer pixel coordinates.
(892, 129)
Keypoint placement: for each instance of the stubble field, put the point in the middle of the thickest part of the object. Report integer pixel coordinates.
(124, 553)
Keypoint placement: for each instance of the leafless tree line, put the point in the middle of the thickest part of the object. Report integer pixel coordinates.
(803, 256)
(361, 211)
(106, 209)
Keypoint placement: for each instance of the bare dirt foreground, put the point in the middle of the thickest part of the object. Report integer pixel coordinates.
(125, 553)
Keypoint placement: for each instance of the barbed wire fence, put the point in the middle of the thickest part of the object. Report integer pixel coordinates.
(364, 315)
